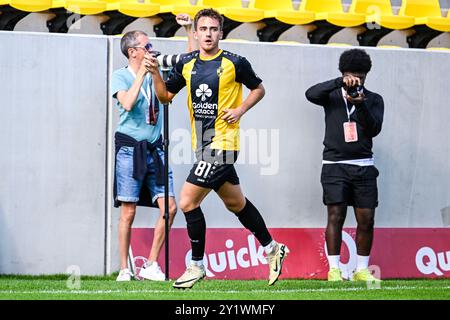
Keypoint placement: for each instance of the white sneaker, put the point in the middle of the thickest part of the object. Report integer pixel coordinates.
(152, 272)
(192, 274)
(124, 275)
(276, 258)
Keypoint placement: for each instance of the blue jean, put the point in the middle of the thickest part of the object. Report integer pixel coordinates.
(128, 188)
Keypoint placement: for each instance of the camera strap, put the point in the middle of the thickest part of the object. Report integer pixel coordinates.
(350, 130)
(353, 108)
(147, 95)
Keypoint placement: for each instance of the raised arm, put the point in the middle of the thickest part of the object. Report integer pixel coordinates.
(163, 95)
(128, 98)
(320, 93)
(185, 20)
(166, 90)
(371, 116)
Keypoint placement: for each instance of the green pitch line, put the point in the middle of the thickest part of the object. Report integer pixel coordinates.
(98, 288)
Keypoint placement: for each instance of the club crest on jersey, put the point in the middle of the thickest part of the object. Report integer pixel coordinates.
(219, 71)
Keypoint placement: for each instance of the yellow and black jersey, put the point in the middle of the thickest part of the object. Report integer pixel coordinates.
(213, 84)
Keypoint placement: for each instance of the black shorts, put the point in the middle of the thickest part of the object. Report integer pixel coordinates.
(213, 168)
(350, 185)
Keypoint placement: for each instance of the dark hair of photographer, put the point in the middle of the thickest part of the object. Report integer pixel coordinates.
(355, 61)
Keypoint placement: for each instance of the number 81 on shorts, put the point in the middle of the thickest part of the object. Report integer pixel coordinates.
(203, 168)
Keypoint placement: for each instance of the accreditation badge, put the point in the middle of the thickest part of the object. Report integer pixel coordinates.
(350, 132)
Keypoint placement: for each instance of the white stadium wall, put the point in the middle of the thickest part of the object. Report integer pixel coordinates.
(52, 164)
(57, 160)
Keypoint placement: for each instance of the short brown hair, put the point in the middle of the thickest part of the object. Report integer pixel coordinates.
(211, 13)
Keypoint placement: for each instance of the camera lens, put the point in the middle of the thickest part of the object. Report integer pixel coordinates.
(353, 92)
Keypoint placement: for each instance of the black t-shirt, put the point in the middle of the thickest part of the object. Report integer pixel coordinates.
(368, 117)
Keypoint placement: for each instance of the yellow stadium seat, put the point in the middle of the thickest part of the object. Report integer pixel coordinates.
(338, 44)
(85, 7)
(438, 49)
(235, 40)
(58, 4)
(283, 11)
(385, 46)
(380, 11)
(178, 38)
(178, 6)
(332, 11)
(134, 8)
(289, 42)
(426, 12)
(30, 5)
(233, 10)
(441, 24)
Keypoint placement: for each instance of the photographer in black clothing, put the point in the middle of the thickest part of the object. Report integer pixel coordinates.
(353, 116)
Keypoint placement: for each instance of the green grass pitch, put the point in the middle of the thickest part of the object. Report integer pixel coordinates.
(60, 287)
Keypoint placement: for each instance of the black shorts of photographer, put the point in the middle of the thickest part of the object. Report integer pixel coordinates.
(350, 185)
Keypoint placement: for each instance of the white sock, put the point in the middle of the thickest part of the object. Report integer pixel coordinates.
(362, 262)
(197, 263)
(333, 261)
(269, 247)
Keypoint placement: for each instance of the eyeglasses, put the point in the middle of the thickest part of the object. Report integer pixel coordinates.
(147, 47)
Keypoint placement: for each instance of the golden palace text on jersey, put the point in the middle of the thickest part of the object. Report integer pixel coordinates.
(213, 84)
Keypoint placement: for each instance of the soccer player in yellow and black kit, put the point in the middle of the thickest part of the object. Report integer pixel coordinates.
(214, 79)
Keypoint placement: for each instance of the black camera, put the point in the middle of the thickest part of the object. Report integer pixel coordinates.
(354, 92)
(155, 54)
